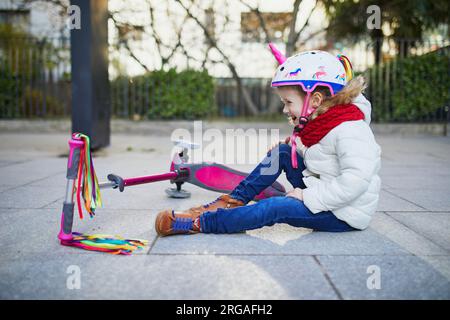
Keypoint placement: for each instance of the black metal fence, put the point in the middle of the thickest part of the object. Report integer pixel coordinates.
(35, 82)
(231, 104)
(34, 77)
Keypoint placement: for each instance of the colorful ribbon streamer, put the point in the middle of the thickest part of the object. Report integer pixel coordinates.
(87, 188)
(86, 174)
(106, 243)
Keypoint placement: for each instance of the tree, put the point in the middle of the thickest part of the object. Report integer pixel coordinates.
(210, 50)
(213, 51)
(404, 19)
(293, 37)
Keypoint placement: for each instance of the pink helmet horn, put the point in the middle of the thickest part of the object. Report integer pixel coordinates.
(277, 54)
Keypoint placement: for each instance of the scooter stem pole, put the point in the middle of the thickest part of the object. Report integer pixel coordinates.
(65, 232)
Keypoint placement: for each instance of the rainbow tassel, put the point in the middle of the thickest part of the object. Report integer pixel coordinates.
(106, 243)
(88, 188)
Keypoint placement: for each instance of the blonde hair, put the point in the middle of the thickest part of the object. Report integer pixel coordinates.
(351, 90)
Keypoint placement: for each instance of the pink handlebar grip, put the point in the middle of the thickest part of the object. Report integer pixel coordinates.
(75, 144)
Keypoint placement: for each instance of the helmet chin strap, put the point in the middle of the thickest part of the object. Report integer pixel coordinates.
(302, 121)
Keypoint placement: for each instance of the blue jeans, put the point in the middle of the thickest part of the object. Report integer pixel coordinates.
(273, 210)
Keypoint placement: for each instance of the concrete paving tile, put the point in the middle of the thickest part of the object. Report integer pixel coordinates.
(440, 264)
(35, 230)
(58, 181)
(390, 202)
(415, 182)
(416, 170)
(409, 243)
(9, 162)
(163, 277)
(433, 226)
(401, 277)
(30, 197)
(277, 240)
(403, 236)
(431, 200)
(27, 172)
(5, 187)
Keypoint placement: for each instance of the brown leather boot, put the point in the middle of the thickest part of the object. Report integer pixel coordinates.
(224, 202)
(168, 223)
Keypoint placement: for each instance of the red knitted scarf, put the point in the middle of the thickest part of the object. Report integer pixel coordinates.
(316, 129)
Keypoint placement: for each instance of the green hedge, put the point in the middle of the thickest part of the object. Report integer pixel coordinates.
(10, 88)
(168, 94)
(423, 88)
(410, 89)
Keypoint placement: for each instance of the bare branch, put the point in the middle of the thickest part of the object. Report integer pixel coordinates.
(292, 34)
(247, 98)
(306, 22)
(127, 47)
(262, 22)
(155, 34)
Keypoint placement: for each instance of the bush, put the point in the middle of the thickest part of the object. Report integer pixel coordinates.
(36, 101)
(410, 89)
(10, 89)
(423, 86)
(11, 74)
(161, 94)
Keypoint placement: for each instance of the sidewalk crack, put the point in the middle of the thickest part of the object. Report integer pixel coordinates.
(400, 197)
(327, 277)
(152, 245)
(60, 199)
(15, 162)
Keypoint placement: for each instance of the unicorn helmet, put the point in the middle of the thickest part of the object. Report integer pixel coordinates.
(310, 69)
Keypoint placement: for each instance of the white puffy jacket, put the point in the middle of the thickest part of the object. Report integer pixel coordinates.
(341, 172)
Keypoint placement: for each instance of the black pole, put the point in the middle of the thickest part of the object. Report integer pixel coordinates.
(90, 84)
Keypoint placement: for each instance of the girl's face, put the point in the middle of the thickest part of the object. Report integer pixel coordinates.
(293, 103)
(293, 98)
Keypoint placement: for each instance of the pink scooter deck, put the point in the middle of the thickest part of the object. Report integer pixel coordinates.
(220, 178)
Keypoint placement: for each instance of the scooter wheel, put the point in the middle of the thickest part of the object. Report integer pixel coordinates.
(179, 194)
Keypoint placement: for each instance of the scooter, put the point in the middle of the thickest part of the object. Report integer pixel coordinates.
(82, 183)
(208, 175)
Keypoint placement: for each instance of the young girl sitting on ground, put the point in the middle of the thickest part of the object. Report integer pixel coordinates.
(332, 159)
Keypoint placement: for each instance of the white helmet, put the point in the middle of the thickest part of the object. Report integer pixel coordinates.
(310, 69)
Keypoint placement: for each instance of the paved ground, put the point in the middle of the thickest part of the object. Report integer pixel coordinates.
(407, 244)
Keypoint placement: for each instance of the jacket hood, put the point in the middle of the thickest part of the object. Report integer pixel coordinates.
(364, 105)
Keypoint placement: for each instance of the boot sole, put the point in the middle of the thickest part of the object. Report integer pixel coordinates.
(158, 223)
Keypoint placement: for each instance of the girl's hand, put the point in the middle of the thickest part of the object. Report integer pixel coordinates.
(296, 193)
